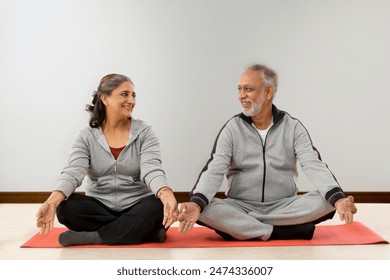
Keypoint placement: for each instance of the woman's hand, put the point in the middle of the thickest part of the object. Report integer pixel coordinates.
(45, 217)
(47, 212)
(171, 212)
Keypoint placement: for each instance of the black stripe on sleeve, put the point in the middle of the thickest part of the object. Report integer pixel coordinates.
(199, 199)
(334, 194)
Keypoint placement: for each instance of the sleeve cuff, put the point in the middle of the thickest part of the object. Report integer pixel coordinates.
(199, 199)
(65, 187)
(157, 183)
(334, 194)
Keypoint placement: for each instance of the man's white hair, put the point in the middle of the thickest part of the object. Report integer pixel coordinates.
(269, 75)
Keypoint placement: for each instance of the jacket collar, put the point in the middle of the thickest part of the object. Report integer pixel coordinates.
(276, 113)
(137, 126)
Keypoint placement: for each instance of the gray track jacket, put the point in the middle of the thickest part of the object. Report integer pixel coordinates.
(120, 183)
(263, 172)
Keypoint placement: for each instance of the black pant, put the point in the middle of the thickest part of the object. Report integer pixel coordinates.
(133, 225)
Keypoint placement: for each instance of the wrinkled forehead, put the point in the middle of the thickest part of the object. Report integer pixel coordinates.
(250, 77)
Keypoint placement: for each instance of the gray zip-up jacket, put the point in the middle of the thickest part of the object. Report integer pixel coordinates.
(263, 172)
(120, 183)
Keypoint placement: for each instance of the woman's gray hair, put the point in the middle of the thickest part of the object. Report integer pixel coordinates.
(269, 75)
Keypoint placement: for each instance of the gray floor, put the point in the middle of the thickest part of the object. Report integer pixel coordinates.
(18, 225)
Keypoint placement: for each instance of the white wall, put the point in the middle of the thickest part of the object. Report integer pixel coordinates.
(185, 58)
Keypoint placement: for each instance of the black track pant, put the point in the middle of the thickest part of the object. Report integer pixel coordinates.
(130, 226)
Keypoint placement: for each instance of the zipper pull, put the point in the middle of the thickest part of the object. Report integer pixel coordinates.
(115, 167)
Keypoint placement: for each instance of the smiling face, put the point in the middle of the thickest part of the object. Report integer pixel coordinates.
(121, 102)
(251, 93)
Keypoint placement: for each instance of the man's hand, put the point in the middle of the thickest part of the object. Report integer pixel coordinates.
(189, 214)
(346, 209)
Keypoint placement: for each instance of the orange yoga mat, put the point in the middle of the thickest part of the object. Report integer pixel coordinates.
(200, 237)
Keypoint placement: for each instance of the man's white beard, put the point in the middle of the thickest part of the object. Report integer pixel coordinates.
(255, 107)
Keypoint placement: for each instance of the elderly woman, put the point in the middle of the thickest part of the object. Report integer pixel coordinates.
(127, 199)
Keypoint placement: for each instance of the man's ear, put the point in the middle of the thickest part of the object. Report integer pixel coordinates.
(270, 92)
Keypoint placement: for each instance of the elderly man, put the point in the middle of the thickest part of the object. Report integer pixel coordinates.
(258, 150)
